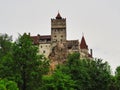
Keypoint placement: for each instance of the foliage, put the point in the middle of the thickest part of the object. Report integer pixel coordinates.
(8, 85)
(5, 56)
(112, 83)
(5, 45)
(117, 77)
(100, 74)
(58, 81)
(88, 74)
(20, 64)
(27, 64)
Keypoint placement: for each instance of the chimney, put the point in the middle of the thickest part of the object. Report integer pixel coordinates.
(91, 52)
(29, 33)
(38, 35)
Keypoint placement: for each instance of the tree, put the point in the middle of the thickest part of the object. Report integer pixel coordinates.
(27, 64)
(100, 75)
(78, 71)
(113, 83)
(58, 81)
(117, 76)
(5, 56)
(7, 85)
(5, 45)
(88, 74)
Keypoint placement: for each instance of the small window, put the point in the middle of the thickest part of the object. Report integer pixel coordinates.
(61, 35)
(41, 46)
(44, 51)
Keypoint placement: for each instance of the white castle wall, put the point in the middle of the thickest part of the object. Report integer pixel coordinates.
(45, 49)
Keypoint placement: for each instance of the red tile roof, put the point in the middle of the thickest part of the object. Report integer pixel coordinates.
(89, 55)
(35, 39)
(83, 44)
(58, 16)
(45, 37)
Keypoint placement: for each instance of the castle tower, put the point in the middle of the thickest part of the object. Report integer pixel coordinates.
(58, 29)
(83, 45)
(83, 48)
(58, 40)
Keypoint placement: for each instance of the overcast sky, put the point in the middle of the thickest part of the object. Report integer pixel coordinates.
(99, 20)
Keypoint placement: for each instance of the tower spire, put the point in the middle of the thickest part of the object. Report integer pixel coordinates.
(82, 34)
(83, 44)
(58, 16)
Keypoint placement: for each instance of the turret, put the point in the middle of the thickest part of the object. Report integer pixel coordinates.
(83, 44)
(84, 49)
(58, 16)
(58, 29)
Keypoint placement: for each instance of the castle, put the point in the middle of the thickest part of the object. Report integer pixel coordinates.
(56, 47)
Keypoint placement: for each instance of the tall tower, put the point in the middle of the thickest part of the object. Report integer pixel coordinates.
(58, 29)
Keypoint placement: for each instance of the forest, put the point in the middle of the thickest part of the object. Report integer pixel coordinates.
(22, 68)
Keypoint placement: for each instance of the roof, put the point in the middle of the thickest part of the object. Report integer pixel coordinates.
(83, 44)
(35, 39)
(45, 37)
(72, 42)
(58, 16)
(89, 55)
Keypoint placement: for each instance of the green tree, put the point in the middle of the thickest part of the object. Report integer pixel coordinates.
(7, 85)
(58, 81)
(100, 75)
(88, 74)
(5, 45)
(28, 64)
(5, 56)
(117, 76)
(113, 83)
(79, 71)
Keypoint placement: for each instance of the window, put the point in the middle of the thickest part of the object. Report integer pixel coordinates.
(44, 51)
(41, 46)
